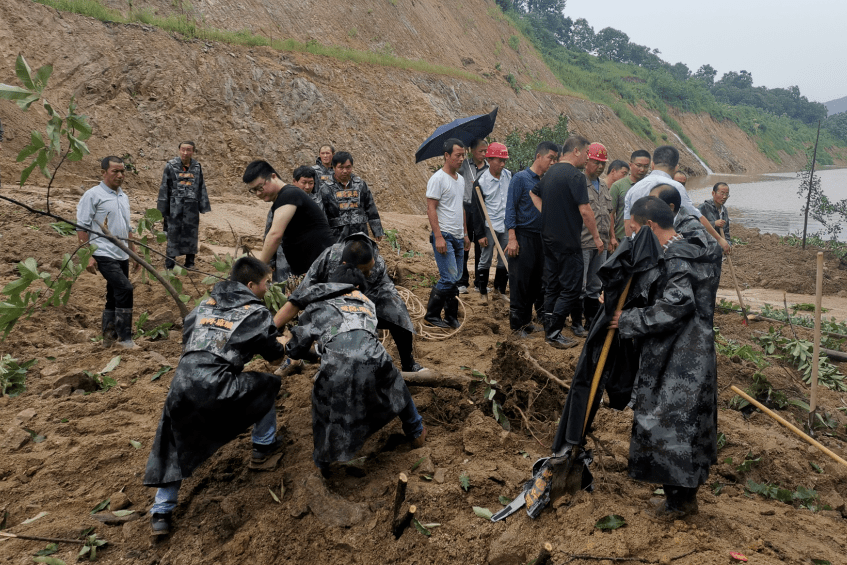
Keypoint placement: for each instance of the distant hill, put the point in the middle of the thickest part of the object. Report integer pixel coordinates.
(836, 106)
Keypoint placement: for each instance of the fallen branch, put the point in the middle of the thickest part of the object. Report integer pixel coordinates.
(39, 538)
(624, 559)
(542, 370)
(433, 379)
(834, 355)
(403, 522)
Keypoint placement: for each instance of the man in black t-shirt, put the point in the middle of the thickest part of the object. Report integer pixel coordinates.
(298, 223)
(566, 206)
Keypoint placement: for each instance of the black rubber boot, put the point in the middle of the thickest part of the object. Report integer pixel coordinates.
(590, 306)
(501, 278)
(189, 261)
(434, 308)
(109, 334)
(553, 333)
(481, 282)
(516, 324)
(451, 311)
(123, 327)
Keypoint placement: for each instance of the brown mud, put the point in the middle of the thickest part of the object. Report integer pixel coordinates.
(226, 513)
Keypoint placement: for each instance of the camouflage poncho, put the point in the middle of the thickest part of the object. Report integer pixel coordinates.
(357, 389)
(350, 209)
(211, 401)
(182, 198)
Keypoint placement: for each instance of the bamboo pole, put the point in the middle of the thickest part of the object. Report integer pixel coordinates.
(797, 431)
(735, 282)
(816, 355)
(491, 227)
(601, 363)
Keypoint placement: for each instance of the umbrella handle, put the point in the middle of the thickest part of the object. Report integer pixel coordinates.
(604, 354)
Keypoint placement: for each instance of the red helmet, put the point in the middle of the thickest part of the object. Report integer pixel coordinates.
(597, 151)
(497, 150)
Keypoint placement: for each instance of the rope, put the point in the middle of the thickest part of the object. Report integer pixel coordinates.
(417, 311)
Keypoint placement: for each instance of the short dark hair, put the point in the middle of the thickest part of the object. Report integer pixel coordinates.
(574, 142)
(340, 158)
(191, 143)
(668, 194)
(257, 169)
(357, 252)
(304, 171)
(718, 185)
(653, 209)
(451, 143)
(348, 274)
(331, 148)
(249, 269)
(476, 143)
(546, 147)
(617, 165)
(104, 164)
(666, 155)
(639, 153)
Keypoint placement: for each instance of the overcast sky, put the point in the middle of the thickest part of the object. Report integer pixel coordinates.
(781, 43)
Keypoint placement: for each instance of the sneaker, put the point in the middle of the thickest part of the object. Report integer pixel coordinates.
(463, 290)
(419, 441)
(161, 523)
(579, 331)
(561, 342)
(415, 367)
(261, 453)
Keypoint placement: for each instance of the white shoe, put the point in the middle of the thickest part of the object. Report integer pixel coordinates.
(463, 290)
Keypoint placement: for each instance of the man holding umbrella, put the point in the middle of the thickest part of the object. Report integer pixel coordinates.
(445, 210)
(471, 169)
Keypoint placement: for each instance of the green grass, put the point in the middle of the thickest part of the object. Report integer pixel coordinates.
(191, 29)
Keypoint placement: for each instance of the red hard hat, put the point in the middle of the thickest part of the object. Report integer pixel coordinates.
(497, 150)
(597, 151)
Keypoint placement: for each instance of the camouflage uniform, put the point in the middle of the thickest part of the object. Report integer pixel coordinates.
(710, 210)
(670, 315)
(685, 223)
(182, 198)
(210, 401)
(278, 262)
(324, 174)
(357, 390)
(350, 209)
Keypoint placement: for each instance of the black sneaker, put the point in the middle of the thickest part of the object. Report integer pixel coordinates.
(261, 453)
(161, 523)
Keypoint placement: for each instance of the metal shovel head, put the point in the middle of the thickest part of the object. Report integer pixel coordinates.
(545, 473)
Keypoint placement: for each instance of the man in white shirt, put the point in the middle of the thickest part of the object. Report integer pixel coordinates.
(107, 206)
(665, 163)
(445, 210)
(494, 185)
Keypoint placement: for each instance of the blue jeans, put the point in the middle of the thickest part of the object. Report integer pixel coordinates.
(264, 433)
(449, 264)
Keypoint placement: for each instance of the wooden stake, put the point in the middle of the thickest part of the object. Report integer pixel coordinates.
(816, 355)
(403, 522)
(399, 496)
(432, 378)
(735, 282)
(491, 227)
(543, 555)
(788, 425)
(39, 538)
(601, 363)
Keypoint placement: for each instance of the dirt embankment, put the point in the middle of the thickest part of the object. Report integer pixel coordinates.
(145, 90)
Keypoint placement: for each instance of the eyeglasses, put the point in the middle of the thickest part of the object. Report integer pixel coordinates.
(257, 190)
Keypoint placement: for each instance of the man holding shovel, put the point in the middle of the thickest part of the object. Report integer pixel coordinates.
(493, 185)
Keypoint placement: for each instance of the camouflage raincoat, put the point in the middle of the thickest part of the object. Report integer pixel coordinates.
(670, 314)
(379, 288)
(710, 210)
(685, 223)
(324, 173)
(182, 198)
(357, 389)
(350, 209)
(211, 401)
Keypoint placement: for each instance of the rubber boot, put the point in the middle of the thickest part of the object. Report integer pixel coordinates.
(189, 261)
(123, 327)
(481, 283)
(576, 320)
(501, 277)
(516, 324)
(553, 333)
(434, 308)
(109, 334)
(590, 306)
(451, 310)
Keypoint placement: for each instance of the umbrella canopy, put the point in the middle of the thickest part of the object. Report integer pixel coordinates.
(466, 129)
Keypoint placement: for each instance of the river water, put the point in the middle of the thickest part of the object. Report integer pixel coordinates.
(769, 202)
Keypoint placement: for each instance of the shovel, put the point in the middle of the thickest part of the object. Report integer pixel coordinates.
(735, 282)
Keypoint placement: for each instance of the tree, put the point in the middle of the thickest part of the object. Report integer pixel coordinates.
(612, 44)
(582, 36)
(707, 74)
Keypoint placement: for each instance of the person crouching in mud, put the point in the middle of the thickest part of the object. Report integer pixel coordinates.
(357, 390)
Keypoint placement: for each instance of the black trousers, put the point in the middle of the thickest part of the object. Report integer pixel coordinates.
(525, 274)
(464, 280)
(403, 339)
(189, 261)
(118, 287)
(563, 277)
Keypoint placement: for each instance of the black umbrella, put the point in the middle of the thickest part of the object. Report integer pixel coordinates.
(466, 129)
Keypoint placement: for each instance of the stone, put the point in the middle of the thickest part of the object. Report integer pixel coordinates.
(119, 501)
(79, 392)
(78, 380)
(438, 477)
(24, 416)
(15, 438)
(59, 392)
(157, 357)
